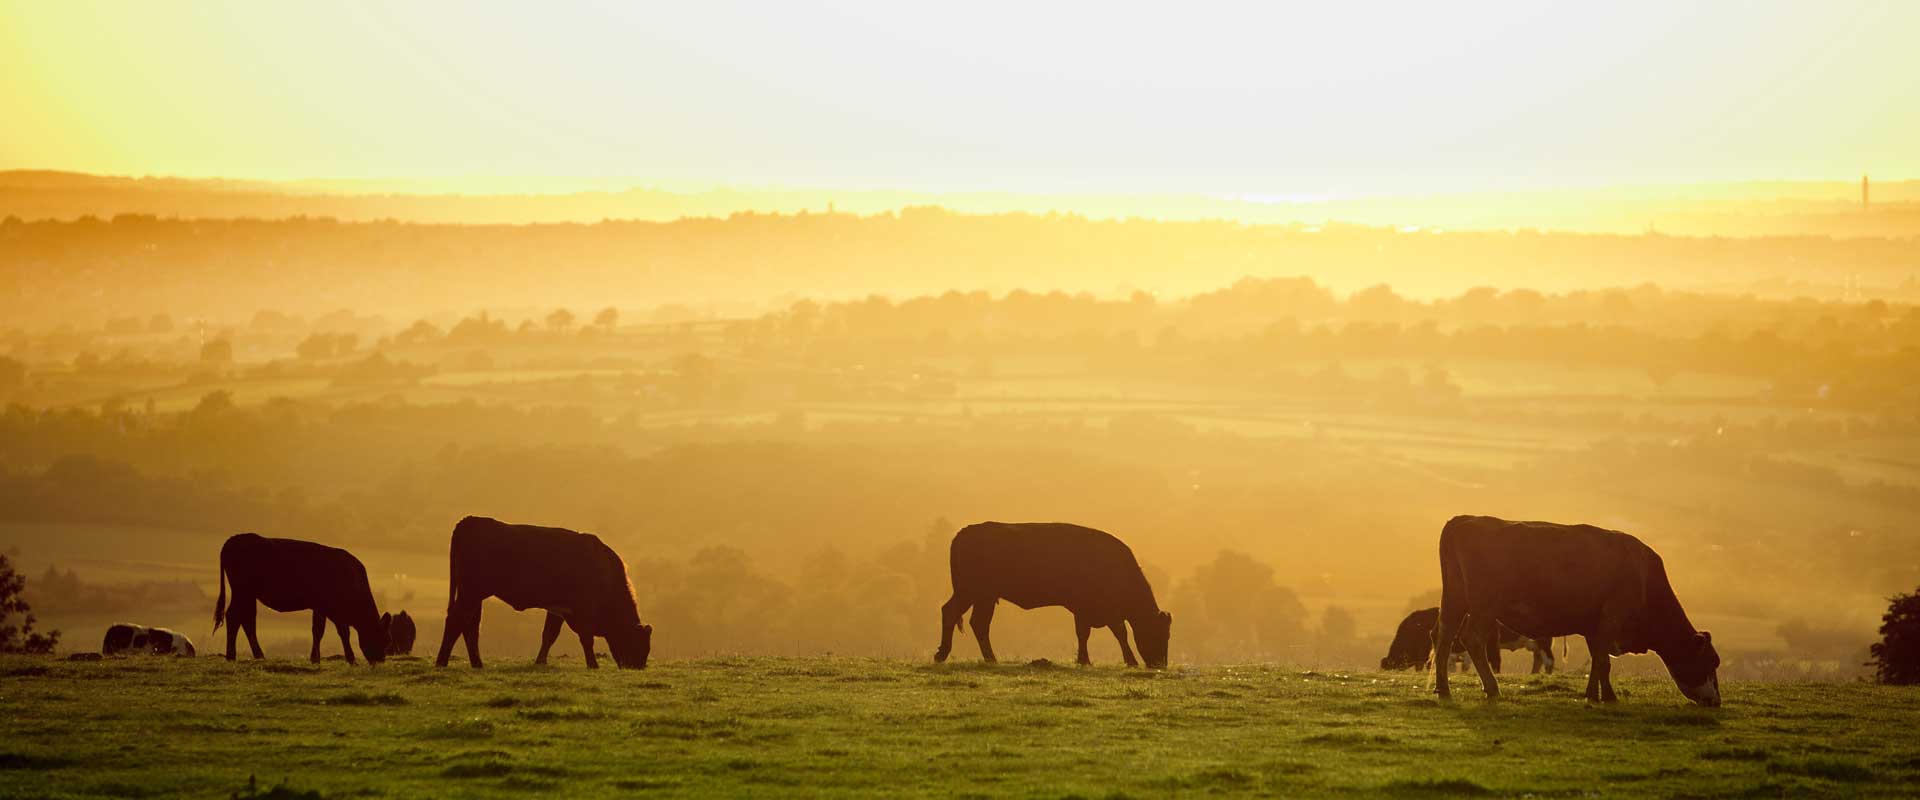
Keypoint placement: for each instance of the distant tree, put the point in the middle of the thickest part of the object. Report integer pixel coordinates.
(560, 321)
(160, 323)
(607, 319)
(1337, 626)
(327, 345)
(420, 332)
(480, 328)
(1377, 303)
(1251, 615)
(315, 347)
(213, 404)
(217, 351)
(19, 638)
(1896, 658)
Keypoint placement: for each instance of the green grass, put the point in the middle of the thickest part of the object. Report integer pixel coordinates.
(835, 727)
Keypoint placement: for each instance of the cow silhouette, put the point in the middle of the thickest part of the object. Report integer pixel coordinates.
(1545, 579)
(1036, 564)
(293, 575)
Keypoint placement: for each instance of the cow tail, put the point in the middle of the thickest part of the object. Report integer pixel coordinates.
(453, 575)
(220, 603)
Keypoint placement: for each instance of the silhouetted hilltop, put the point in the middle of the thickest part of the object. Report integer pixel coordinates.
(1728, 209)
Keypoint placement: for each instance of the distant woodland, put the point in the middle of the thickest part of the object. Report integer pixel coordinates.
(88, 271)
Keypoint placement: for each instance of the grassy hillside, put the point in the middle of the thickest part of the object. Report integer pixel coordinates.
(815, 727)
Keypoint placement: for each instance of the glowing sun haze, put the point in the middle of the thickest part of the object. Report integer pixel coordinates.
(1264, 98)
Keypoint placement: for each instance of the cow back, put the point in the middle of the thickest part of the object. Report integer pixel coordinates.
(1038, 564)
(530, 566)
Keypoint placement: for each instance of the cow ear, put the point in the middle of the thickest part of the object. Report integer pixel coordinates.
(386, 620)
(1706, 637)
(647, 628)
(1166, 617)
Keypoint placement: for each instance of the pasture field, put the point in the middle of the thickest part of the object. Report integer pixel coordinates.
(838, 727)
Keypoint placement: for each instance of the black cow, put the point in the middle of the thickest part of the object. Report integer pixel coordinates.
(292, 575)
(576, 577)
(1544, 580)
(400, 633)
(1035, 564)
(1413, 645)
(125, 638)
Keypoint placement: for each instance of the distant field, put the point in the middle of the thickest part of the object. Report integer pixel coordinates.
(827, 727)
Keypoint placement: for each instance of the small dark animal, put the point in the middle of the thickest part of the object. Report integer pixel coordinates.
(1544, 580)
(400, 633)
(577, 578)
(1035, 564)
(292, 575)
(1413, 645)
(124, 638)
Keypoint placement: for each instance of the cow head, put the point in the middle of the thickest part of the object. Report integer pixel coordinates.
(1396, 661)
(631, 646)
(373, 639)
(1152, 635)
(1695, 667)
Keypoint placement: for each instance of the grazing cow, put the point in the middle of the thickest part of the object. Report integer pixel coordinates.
(292, 575)
(1413, 645)
(1546, 580)
(125, 638)
(577, 578)
(1035, 564)
(400, 633)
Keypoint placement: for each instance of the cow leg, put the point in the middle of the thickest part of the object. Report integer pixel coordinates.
(473, 636)
(1546, 655)
(319, 632)
(1600, 673)
(982, 622)
(950, 614)
(1598, 670)
(463, 621)
(1480, 637)
(1494, 653)
(586, 646)
(1445, 630)
(345, 645)
(456, 625)
(1081, 629)
(1119, 628)
(234, 621)
(253, 631)
(549, 635)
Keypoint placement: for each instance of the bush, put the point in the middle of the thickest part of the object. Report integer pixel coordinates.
(20, 638)
(1896, 659)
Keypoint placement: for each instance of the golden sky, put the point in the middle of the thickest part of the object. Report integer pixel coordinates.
(1268, 99)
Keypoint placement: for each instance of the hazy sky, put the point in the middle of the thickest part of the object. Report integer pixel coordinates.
(1262, 98)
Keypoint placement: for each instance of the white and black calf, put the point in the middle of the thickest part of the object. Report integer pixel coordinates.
(125, 638)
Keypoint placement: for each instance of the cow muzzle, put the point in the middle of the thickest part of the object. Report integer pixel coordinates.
(1706, 694)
